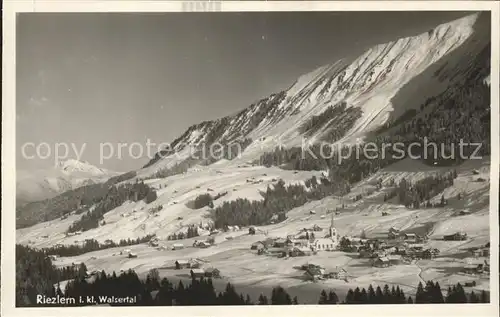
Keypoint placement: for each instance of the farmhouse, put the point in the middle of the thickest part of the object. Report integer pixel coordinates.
(393, 233)
(366, 253)
(177, 246)
(429, 253)
(153, 243)
(474, 266)
(212, 272)
(316, 228)
(411, 238)
(194, 263)
(314, 273)
(276, 251)
(201, 244)
(197, 273)
(299, 251)
(180, 264)
(279, 243)
(338, 273)
(455, 237)
(257, 245)
(481, 252)
(415, 246)
(381, 262)
(394, 259)
(291, 242)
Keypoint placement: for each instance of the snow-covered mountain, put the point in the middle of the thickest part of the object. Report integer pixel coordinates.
(377, 86)
(47, 183)
(366, 91)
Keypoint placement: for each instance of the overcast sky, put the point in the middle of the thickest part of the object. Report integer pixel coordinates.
(93, 78)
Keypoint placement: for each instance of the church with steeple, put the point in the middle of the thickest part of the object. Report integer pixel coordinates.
(330, 242)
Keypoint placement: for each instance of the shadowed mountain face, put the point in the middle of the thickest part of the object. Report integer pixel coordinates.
(367, 92)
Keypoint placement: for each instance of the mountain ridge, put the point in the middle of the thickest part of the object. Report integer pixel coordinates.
(368, 82)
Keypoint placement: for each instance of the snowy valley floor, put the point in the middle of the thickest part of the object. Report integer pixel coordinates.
(254, 274)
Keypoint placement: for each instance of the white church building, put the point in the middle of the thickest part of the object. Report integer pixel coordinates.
(328, 243)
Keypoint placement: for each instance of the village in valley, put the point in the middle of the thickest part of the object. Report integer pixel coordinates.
(310, 254)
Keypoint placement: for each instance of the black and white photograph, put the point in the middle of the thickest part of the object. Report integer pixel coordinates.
(206, 156)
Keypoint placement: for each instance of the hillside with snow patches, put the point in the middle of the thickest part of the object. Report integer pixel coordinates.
(383, 83)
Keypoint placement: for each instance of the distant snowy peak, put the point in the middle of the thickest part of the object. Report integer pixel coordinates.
(75, 166)
(67, 175)
(369, 83)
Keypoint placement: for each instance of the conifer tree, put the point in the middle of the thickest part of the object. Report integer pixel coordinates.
(349, 299)
(363, 298)
(357, 296)
(322, 298)
(420, 295)
(263, 300)
(473, 299)
(484, 297)
(332, 298)
(437, 295)
(371, 295)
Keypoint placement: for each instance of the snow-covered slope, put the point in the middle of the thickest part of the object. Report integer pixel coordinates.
(69, 174)
(374, 82)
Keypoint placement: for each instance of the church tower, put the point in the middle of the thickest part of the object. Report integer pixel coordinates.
(333, 232)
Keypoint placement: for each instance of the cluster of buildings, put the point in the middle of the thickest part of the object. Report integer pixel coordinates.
(476, 266)
(315, 272)
(197, 268)
(479, 262)
(458, 236)
(398, 248)
(396, 234)
(302, 244)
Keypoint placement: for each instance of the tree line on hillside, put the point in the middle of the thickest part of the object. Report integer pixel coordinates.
(276, 202)
(35, 274)
(333, 122)
(201, 201)
(78, 199)
(204, 200)
(431, 293)
(91, 245)
(114, 198)
(179, 168)
(192, 231)
(460, 114)
(418, 195)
